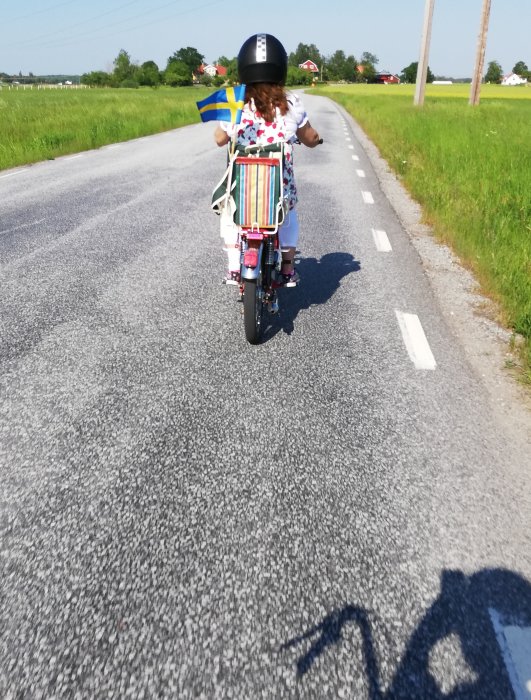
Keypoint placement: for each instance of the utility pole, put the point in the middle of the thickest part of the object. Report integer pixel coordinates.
(480, 56)
(422, 70)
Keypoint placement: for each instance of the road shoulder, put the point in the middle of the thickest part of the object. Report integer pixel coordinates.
(468, 314)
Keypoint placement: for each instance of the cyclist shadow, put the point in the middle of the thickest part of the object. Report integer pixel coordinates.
(469, 611)
(329, 632)
(320, 279)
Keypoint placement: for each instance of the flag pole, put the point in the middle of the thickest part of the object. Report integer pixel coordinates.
(234, 139)
(231, 155)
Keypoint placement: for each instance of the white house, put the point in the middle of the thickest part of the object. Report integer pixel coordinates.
(212, 70)
(513, 79)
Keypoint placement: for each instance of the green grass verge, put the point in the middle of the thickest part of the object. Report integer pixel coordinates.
(470, 169)
(42, 124)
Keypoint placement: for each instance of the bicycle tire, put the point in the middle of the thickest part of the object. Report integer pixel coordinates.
(252, 310)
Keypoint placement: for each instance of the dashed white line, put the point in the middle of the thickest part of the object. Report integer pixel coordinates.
(381, 241)
(415, 341)
(355, 157)
(348, 138)
(367, 197)
(352, 147)
(360, 173)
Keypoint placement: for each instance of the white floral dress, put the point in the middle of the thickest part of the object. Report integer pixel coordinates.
(253, 129)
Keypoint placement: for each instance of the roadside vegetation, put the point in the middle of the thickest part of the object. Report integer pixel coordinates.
(469, 168)
(43, 124)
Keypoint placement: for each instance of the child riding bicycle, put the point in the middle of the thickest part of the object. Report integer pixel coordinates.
(270, 115)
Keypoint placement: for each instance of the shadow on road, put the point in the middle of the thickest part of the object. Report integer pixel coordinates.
(320, 279)
(463, 610)
(329, 632)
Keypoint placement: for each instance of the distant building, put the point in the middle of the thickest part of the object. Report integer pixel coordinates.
(212, 70)
(513, 79)
(309, 65)
(386, 78)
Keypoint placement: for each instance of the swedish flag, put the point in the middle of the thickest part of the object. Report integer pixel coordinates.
(225, 105)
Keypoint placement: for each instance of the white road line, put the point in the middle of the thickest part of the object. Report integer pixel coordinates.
(17, 228)
(18, 172)
(116, 145)
(355, 157)
(381, 241)
(79, 155)
(352, 147)
(367, 197)
(348, 138)
(415, 341)
(360, 173)
(515, 645)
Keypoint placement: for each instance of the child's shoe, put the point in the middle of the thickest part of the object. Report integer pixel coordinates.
(290, 280)
(232, 278)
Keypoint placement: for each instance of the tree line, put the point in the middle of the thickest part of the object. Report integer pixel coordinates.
(182, 68)
(494, 72)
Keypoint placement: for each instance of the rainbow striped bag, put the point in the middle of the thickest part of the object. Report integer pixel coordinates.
(257, 194)
(251, 189)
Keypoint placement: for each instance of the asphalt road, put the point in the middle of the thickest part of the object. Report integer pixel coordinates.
(185, 515)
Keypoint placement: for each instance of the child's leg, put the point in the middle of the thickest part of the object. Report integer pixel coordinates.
(288, 235)
(229, 234)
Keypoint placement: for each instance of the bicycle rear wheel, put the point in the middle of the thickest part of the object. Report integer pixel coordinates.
(252, 310)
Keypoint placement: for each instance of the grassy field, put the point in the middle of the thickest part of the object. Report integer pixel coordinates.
(41, 124)
(470, 169)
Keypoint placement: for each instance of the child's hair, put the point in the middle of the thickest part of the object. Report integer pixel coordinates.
(267, 97)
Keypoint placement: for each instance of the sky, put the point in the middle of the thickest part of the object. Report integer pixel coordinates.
(48, 37)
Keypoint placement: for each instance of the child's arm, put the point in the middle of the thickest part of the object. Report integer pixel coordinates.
(308, 135)
(221, 137)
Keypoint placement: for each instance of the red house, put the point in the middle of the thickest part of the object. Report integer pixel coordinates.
(309, 65)
(386, 78)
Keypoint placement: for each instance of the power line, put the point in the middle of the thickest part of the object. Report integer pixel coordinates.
(8, 20)
(86, 35)
(32, 40)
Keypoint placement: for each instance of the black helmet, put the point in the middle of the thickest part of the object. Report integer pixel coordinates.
(262, 59)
